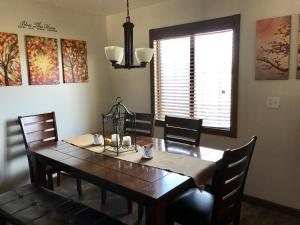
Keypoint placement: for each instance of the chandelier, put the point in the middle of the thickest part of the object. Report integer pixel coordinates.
(115, 54)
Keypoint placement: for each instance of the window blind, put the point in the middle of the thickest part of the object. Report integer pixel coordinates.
(193, 77)
(172, 77)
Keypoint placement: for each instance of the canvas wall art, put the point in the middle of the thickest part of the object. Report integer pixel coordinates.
(273, 48)
(298, 64)
(74, 57)
(42, 57)
(10, 68)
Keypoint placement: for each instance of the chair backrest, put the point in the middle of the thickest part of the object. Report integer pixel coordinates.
(229, 181)
(38, 129)
(144, 123)
(183, 130)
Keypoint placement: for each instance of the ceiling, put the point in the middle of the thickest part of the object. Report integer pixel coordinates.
(104, 7)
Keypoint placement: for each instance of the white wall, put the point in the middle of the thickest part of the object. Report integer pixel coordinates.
(275, 170)
(78, 106)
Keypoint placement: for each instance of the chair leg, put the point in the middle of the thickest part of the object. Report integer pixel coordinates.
(169, 221)
(50, 181)
(58, 179)
(140, 211)
(236, 218)
(79, 187)
(103, 196)
(129, 206)
(2, 220)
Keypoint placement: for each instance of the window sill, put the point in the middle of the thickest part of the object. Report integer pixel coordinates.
(208, 130)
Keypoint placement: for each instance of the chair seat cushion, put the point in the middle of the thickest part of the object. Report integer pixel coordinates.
(35, 205)
(193, 207)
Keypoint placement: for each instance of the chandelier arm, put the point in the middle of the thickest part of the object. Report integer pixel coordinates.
(119, 66)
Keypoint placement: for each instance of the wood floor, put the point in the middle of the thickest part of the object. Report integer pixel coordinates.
(116, 206)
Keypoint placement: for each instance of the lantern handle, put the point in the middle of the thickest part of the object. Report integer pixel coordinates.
(116, 109)
(119, 100)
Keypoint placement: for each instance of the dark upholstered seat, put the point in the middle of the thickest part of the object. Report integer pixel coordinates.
(193, 206)
(35, 205)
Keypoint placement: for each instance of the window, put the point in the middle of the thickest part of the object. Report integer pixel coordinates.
(194, 73)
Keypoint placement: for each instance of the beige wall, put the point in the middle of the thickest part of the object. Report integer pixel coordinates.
(275, 169)
(78, 106)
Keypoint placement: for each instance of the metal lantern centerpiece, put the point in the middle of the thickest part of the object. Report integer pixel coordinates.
(120, 118)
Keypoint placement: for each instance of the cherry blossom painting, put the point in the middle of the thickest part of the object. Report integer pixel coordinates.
(273, 48)
(42, 58)
(298, 64)
(10, 69)
(74, 57)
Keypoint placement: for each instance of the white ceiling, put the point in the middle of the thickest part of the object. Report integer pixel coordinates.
(105, 7)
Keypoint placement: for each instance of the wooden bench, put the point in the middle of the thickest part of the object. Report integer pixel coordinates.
(34, 205)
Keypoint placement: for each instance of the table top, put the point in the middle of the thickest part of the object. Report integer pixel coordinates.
(200, 152)
(134, 180)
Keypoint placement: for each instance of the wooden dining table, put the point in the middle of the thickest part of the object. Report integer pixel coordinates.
(153, 187)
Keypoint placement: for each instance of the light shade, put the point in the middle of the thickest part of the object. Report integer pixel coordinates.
(114, 53)
(144, 55)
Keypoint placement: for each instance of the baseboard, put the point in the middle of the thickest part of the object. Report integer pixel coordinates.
(271, 205)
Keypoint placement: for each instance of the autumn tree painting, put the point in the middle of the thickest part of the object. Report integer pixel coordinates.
(298, 64)
(10, 69)
(42, 56)
(74, 56)
(273, 48)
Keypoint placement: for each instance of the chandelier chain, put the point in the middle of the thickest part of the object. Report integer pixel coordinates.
(128, 17)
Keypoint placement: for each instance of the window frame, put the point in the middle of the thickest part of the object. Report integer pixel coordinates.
(212, 25)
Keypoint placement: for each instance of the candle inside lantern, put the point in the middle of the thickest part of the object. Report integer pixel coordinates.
(115, 140)
(127, 140)
(98, 139)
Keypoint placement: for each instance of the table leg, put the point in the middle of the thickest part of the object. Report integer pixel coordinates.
(156, 214)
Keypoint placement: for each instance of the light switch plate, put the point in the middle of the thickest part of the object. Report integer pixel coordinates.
(273, 102)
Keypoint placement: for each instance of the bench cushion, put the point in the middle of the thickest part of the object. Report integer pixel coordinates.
(34, 205)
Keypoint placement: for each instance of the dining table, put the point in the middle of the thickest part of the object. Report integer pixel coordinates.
(153, 186)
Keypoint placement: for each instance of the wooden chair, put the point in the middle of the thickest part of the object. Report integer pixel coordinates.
(144, 125)
(38, 130)
(186, 131)
(183, 130)
(223, 205)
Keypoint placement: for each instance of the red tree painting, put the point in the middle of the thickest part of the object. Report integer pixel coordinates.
(74, 56)
(42, 60)
(272, 48)
(10, 69)
(298, 64)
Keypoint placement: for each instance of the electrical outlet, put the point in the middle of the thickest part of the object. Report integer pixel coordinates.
(273, 102)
